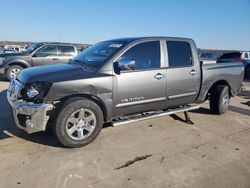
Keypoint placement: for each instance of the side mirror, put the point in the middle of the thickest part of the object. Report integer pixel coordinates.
(123, 65)
(126, 64)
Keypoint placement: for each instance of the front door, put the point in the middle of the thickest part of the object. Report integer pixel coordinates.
(140, 86)
(45, 56)
(183, 74)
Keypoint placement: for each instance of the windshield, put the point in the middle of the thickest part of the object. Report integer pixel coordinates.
(33, 47)
(98, 54)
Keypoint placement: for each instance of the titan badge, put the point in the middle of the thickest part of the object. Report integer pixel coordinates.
(132, 99)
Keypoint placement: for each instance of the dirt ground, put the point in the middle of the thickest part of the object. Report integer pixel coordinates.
(162, 152)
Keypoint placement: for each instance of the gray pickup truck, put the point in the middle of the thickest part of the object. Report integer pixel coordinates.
(42, 53)
(117, 78)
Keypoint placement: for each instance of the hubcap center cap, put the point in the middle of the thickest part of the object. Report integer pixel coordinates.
(81, 123)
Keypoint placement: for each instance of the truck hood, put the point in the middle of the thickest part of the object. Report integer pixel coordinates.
(52, 73)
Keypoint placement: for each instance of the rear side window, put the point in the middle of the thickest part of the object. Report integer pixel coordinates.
(179, 54)
(145, 55)
(66, 50)
(231, 55)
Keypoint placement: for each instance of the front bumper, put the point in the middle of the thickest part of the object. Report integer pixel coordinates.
(30, 117)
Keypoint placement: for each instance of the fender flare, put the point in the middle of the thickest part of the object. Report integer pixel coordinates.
(20, 62)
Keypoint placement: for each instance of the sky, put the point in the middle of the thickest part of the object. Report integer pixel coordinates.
(213, 24)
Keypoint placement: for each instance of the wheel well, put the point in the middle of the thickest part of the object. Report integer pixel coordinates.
(220, 82)
(90, 97)
(17, 63)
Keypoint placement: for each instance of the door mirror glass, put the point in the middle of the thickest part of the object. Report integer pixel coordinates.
(126, 64)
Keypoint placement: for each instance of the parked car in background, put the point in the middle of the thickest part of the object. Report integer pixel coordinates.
(7, 51)
(243, 57)
(209, 57)
(43, 53)
(18, 48)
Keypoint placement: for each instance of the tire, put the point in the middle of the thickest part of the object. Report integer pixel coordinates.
(78, 123)
(13, 71)
(219, 99)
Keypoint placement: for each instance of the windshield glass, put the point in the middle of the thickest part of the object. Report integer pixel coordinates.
(33, 47)
(98, 54)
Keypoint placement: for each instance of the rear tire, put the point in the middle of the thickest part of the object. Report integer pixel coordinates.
(219, 99)
(13, 71)
(78, 123)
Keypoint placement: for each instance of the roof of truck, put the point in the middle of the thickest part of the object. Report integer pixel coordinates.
(131, 39)
(56, 43)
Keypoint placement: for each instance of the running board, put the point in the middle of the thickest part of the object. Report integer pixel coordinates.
(147, 116)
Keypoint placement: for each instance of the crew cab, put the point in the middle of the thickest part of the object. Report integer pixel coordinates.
(43, 53)
(117, 78)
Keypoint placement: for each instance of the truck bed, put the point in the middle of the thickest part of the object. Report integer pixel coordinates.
(225, 72)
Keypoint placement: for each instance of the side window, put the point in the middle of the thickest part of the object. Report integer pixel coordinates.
(46, 51)
(66, 50)
(143, 56)
(179, 54)
(246, 55)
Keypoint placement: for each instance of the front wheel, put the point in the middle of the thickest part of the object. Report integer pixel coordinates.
(219, 99)
(13, 71)
(79, 122)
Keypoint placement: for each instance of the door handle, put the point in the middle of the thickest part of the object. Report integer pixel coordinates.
(54, 59)
(193, 72)
(159, 76)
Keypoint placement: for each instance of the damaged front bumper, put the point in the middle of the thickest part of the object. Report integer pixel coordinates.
(28, 116)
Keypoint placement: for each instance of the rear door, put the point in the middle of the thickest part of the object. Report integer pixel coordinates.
(66, 53)
(46, 55)
(183, 74)
(141, 87)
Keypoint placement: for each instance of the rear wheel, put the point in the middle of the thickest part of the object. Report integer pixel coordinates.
(219, 99)
(78, 123)
(13, 71)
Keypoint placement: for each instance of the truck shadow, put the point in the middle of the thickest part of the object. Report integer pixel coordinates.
(239, 110)
(201, 110)
(236, 109)
(8, 128)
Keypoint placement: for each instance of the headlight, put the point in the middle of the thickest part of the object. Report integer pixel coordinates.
(35, 92)
(31, 92)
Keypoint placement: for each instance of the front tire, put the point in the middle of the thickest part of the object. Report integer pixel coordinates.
(219, 99)
(78, 123)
